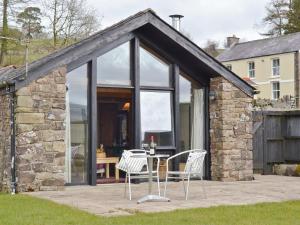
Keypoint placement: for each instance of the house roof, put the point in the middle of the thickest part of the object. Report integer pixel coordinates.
(6, 71)
(249, 81)
(262, 47)
(147, 26)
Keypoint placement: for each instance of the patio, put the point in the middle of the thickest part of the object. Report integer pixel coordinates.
(108, 200)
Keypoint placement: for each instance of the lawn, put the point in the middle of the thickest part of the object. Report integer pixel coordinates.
(23, 210)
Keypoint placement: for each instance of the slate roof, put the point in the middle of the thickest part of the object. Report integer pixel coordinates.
(6, 71)
(144, 21)
(269, 46)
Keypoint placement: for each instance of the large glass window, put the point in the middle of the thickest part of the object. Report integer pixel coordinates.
(114, 66)
(77, 126)
(156, 117)
(191, 106)
(153, 70)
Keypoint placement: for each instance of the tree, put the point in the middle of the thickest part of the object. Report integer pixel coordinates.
(55, 13)
(30, 20)
(81, 21)
(70, 20)
(293, 17)
(4, 31)
(9, 8)
(276, 18)
(211, 48)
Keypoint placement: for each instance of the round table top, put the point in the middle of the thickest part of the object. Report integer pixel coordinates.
(150, 156)
(158, 156)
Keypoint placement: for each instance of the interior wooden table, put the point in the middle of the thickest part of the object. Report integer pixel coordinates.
(107, 161)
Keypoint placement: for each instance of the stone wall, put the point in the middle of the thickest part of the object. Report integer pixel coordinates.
(284, 103)
(231, 132)
(40, 133)
(4, 143)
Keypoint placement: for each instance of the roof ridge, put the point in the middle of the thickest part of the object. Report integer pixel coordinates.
(266, 39)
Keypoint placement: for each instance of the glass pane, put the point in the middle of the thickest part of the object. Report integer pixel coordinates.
(153, 71)
(77, 126)
(276, 66)
(191, 106)
(114, 66)
(156, 117)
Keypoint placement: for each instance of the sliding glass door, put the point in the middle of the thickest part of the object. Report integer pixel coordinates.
(76, 162)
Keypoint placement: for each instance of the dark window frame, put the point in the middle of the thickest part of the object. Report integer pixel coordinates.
(174, 70)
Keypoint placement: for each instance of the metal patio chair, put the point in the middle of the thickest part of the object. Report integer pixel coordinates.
(193, 168)
(134, 163)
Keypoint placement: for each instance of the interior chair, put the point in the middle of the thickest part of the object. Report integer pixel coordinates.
(134, 164)
(193, 168)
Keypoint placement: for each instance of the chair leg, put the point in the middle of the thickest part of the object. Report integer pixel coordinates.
(184, 186)
(203, 188)
(187, 188)
(125, 185)
(129, 186)
(158, 186)
(166, 182)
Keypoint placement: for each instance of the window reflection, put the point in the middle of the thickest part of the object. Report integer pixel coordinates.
(191, 106)
(113, 66)
(77, 126)
(153, 70)
(156, 117)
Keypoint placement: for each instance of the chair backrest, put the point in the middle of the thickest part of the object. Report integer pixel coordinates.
(132, 161)
(194, 163)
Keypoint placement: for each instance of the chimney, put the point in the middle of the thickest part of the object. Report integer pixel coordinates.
(176, 21)
(231, 41)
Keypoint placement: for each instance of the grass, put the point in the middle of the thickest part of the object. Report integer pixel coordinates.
(38, 48)
(23, 210)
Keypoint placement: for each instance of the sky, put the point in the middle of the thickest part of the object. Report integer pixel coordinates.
(203, 19)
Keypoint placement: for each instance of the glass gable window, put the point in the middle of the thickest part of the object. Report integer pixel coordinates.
(77, 126)
(156, 117)
(113, 68)
(153, 70)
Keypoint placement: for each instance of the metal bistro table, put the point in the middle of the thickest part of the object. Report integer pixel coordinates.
(151, 197)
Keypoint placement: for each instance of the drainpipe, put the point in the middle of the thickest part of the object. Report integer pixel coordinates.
(13, 143)
(10, 90)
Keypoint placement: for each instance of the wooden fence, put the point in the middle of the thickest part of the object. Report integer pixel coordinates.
(276, 139)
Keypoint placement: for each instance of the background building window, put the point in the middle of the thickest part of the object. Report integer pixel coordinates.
(229, 66)
(275, 90)
(275, 67)
(251, 69)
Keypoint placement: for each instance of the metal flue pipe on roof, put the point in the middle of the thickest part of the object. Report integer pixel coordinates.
(176, 21)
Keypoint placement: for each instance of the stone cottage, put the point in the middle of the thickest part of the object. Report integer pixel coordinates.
(113, 90)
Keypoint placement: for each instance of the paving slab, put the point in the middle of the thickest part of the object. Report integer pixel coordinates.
(109, 200)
